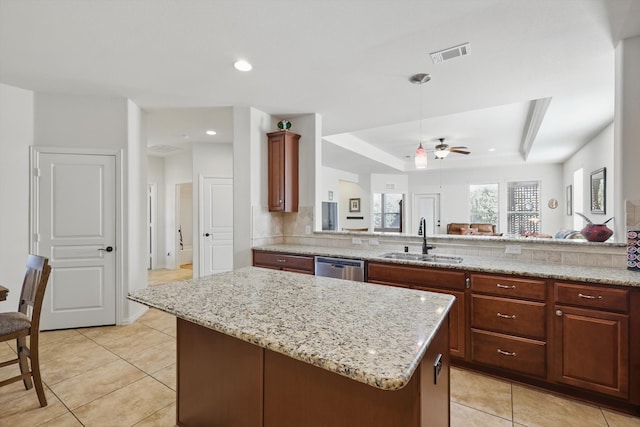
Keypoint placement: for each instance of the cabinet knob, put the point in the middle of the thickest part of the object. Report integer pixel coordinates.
(559, 313)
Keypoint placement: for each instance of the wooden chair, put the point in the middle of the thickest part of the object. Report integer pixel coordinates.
(26, 323)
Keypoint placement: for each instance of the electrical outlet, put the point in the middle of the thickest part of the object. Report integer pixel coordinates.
(513, 249)
(373, 242)
(356, 241)
(307, 229)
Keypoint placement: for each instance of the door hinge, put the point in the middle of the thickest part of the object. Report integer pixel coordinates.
(36, 237)
(36, 172)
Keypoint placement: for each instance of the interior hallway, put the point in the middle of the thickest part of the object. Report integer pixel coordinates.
(126, 376)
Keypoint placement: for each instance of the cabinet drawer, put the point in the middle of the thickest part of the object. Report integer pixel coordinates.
(509, 286)
(420, 276)
(525, 318)
(507, 352)
(284, 261)
(592, 296)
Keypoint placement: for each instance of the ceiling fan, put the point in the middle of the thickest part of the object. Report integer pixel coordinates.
(442, 150)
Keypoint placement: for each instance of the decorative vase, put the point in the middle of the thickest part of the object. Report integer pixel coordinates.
(596, 232)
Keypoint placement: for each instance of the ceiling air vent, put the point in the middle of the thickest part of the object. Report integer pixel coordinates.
(162, 150)
(450, 53)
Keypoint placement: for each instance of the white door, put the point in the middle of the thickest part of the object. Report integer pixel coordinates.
(216, 226)
(75, 197)
(427, 206)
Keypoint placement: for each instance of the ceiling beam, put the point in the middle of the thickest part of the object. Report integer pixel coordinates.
(537, 111)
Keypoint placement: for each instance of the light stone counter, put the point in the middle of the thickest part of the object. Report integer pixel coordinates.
(602, 275)
(376, 335)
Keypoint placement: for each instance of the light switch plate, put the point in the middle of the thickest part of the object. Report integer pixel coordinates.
(373, 242)
(356, 241)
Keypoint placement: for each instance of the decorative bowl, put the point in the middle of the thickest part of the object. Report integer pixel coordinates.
(596, 232)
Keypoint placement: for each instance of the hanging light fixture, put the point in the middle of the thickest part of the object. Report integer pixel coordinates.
(421, 154)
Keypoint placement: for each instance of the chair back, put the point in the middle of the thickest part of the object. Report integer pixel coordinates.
(33, 287)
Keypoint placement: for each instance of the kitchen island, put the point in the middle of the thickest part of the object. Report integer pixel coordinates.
(260, 347)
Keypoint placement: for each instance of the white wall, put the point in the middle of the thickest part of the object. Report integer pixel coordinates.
(596, 154)
(16, 135)
(135, 231)
(155, 175)
(627, 132)
(351, 190)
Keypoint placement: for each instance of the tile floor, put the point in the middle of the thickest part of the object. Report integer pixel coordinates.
(125, 376)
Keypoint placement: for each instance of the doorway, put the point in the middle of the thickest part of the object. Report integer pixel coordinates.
(427, 206)
(184, 225)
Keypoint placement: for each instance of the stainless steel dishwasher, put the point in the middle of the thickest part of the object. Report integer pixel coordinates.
(349, 269)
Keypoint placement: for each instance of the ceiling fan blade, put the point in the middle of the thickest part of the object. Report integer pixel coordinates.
(459, 148)
(454, 150)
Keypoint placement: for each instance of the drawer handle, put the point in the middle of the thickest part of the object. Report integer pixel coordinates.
(507, 353)
(507, 316)
(590, 296)
(501, 286)
(281, 260)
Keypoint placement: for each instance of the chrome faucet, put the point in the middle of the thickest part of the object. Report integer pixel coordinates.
(422, 231)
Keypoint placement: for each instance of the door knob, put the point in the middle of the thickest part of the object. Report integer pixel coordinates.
(107, 249)
(207, 234)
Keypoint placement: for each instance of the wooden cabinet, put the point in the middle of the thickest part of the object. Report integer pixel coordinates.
(508, 323)
(283, 171)
(591, 330)
(282, 261)
(433, 280)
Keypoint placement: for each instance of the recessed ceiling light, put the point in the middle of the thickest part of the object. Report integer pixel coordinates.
(492, 149)
(242, 65)
(211, 132)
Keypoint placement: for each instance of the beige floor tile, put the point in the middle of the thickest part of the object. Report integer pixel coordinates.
(54, 337)
(161, 321)
(11, 391)
(535, 408)
(96, 383)
(481, 392)
(137, 342)
(26, 410)
(616, 419)
(66, 420)
(155, 357)
(128, 405)
(164, 417)
(68, 365)
(167, 376)
(463, 416)
(6, 351)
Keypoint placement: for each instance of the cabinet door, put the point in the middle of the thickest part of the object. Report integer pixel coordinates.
(457, 326)
(591, 350)
(276, 172)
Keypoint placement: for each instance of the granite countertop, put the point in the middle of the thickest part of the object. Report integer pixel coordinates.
(601, 275)
(376, 335)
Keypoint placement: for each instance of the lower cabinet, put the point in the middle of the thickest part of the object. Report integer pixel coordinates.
(432, 280)
(592, 338)
(286, 262)
(509, 323)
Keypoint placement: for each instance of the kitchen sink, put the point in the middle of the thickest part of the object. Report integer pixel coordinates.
(423, 257)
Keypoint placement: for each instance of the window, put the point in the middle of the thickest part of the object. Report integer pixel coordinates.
(483, 207)
(523, 207)
(387, 212)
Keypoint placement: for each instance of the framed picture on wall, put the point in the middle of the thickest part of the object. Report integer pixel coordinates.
(354, 205)
(599, 191)
(569, 200)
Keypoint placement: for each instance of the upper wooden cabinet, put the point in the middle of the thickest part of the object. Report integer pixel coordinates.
(283, 171)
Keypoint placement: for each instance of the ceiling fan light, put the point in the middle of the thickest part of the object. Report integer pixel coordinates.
(421, 158)
(441, 154)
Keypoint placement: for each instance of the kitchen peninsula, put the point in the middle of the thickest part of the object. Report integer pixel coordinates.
(260, 347)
